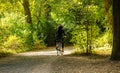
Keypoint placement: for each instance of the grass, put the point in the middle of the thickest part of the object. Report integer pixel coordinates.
(97, 52)
(7, 52)
(4, 53)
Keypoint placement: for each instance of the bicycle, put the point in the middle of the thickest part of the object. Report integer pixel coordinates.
(59, 48)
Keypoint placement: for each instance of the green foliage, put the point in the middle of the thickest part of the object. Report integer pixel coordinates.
(79, 39)
(4, 52)
(13, 42)
(106, 39)
(92, 26)
(38, 45)
(14, 31)
(83, 20)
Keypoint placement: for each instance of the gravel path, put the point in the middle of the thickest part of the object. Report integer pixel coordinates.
(47, 62)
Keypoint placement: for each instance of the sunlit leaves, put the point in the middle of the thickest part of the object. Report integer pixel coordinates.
(48, 14)
(87, 14)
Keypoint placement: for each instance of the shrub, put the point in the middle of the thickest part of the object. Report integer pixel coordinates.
(13, 43)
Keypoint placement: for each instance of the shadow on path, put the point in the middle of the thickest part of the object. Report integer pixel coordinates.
(46, 61)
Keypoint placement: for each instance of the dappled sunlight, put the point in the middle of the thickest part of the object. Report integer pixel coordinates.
(45, 52)
(103, 50)
(46, 61)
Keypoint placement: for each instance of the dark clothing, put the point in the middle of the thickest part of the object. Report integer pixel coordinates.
(59, 36)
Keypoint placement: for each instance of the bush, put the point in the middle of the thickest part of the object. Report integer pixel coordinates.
(38, 45)
(13, 43)
(79, 39)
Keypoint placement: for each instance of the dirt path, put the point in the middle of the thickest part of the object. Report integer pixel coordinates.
(47, 62)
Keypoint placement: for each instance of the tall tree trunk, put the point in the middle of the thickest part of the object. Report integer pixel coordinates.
(28, 19)
(27, 11)
(107, 6)
(87, 30)
(49, 35)
(116, 29)
(89, 38)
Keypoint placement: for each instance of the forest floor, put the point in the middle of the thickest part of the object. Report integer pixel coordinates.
(46, 61)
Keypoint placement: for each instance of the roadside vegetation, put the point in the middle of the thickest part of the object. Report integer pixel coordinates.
(31, 24)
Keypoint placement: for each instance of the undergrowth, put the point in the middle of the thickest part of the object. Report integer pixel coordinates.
(98, 52)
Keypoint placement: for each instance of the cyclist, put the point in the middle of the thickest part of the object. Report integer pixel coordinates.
(59, 36)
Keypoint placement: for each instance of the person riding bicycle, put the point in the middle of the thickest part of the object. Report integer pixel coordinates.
(59, 36)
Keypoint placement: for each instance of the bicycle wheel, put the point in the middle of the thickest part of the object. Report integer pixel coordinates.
(59, 48)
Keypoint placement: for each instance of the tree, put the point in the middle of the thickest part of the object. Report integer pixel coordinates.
(27, 11)
(28, 18)
(116, 30)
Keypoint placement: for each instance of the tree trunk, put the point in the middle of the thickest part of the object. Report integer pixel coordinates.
(89, 38)
(107, 6)
(28, 19)
(87, 29)
(116, 29)
(27, 11)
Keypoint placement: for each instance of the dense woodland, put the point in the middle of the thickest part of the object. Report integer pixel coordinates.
(31, 24)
